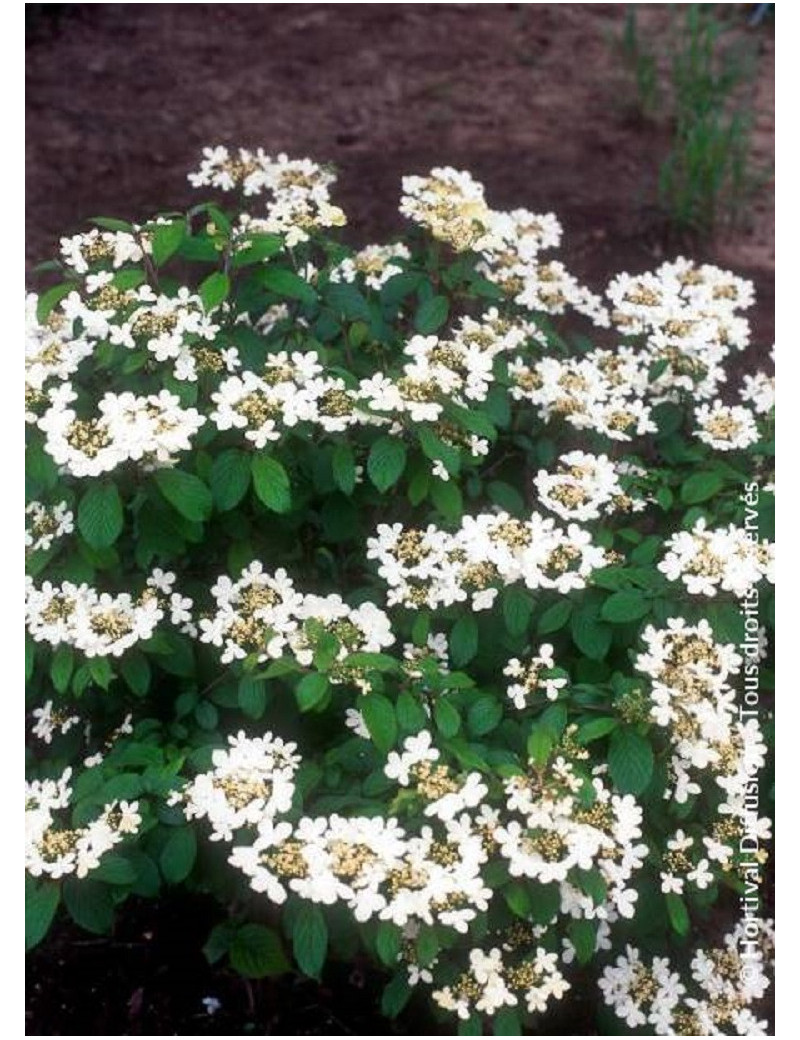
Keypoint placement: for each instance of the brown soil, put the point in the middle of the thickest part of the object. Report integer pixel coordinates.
(532, 98)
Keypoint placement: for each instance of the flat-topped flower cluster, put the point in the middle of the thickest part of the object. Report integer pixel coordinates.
(405, 597)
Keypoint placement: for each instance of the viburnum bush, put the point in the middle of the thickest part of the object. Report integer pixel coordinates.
(412, 600)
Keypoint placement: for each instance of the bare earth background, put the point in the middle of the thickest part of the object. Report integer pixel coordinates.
(531, 98)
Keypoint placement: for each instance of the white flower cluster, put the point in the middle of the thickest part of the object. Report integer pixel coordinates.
(53, 850)
(172, 328)
(263, 614)
(554, 828)
(252, 780)
(693, 699)
(725, 559)
(375, 264)
(716, 1000)
(725, 427)
(369, 863)
(298, 188)
(534, 677)
(47, 523)
(444, 793)
(290, 389)
(53, 351)
(457, 369)
(150, 430)
(434, 568)
(682, 867)
(601, 391)
(689, 317)
(97, 623)
(517, 270)
(50, 720)
(452, 206)
(492, 982)
(759, 392)
(102, 247)
(584, 487)
(436, 652)
(685, 305)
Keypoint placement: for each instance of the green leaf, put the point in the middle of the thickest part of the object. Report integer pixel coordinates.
(219, 941)
(583, 935)
(431, 315)
(61, 668)
(410, 713)
(100, 671)
(595, 728)
(178, 854)
(701, 486)
(30, 657)
(517, 609)
(115, 869)
(100, 515)
(89, 904)
(427, 946)
(310, 939)
(214, 289)
(344, 467)
(518, 897)
(252, 697)
(625, 606)
(110, 223)
(507, 1022)
(464, 640)
(484, 715)
(437, 450)
(593, 884)
(447, 718)
(555, 617)
(678, 914)
(271, 482)
(310, 690)
(261, 247)
(379, 718)
(540, 744)
(545, 903)
(386, 462)
(326, 650)
(186, 493)
(506, 496)
(135, 670)
(206, 715)
(592, 637)
(256, 951)
(41, 902)
(446, 496)
(396, 995)
(229, 478)
(166, 240)
(50, 298)
(347, 301)
(388, 942)
(287, 283)
(630, 760)
(470, 1027)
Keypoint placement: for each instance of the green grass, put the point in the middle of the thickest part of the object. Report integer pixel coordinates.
(707, 178)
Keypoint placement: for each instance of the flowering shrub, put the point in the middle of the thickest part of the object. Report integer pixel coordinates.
(412, 600)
